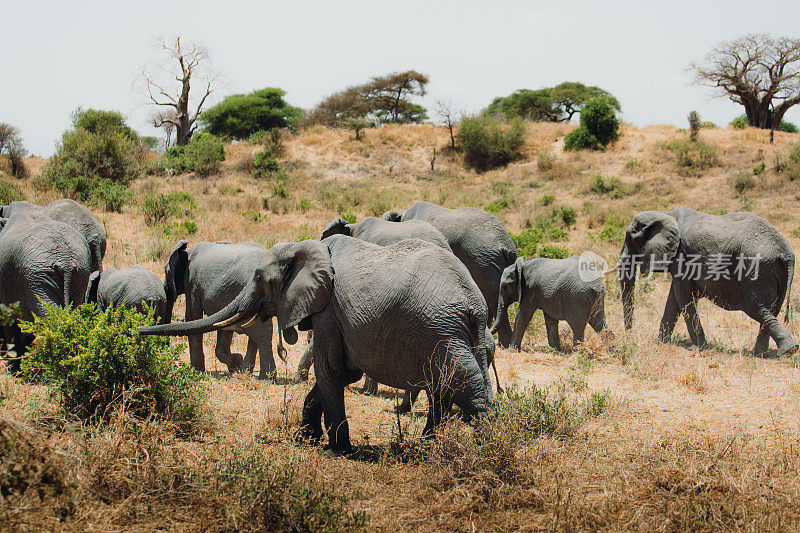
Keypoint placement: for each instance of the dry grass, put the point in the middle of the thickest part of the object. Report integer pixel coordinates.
(689, 440)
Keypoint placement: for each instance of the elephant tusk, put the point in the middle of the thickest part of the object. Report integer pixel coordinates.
(611, 270)
(230, 321)
(250, 322)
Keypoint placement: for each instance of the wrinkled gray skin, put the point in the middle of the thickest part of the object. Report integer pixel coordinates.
(479, 240)
(673, 236)
(73, 214)
(407, 315)
(383, 233)
(42, 261)
(134, 287)
(211, 275)
(560, 290)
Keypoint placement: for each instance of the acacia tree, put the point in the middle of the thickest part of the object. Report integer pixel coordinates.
(757, 71)
(192, 60)
(551, 104)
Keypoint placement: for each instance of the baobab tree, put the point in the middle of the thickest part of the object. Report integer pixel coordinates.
(758, 71)
(183, 63)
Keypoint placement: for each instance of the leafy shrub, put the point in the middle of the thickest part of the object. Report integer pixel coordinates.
(553, 252)
(599, 127)
(547, 199)
(794, 154)
(527, 242)
(759, 169)
(708, 125)
(497, 205)
(97, 192)
(350, 217)
(96, 360)
(239, 116)
(160, 207)
(264, 163)
(204, 153)
(489, 144)
(788, 127)
(613, 230)
(305, 204)
(742, 182)
(692, 157)
(694, 125)
(609, 186)
(271, 140)
(99, 121)
(739, 123)
(10, 192)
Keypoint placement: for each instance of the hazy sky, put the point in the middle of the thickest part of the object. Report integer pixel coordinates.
(60, 55)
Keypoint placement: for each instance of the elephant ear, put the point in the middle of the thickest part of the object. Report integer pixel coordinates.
(336, 227)
(94, 283)
(307, 281)
(654, 236)
(174, 270)
(3, 222)
(518, 266)
(393, 216)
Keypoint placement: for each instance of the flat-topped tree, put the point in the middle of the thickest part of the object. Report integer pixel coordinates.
(757, 71)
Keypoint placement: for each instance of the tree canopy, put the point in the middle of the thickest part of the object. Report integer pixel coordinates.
(382, 100)
(757, 71)
(98, 120)
(240, 115)
(551, 104)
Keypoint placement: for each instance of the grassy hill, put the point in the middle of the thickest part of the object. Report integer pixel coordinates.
(648, 436)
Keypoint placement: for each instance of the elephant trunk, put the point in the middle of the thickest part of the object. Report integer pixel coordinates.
(627, 283)
(243, 308)
(501, 325)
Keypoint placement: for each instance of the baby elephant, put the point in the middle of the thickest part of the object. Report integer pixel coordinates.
(564, 289)
(131, 288)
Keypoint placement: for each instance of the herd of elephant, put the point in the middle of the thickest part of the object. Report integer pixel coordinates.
(411, 299)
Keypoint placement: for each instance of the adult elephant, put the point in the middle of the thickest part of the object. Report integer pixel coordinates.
(407, 315)
(73, 214)
(211, 275)
(739, 261)
(42, 262)
(479, 240)
(134, 287)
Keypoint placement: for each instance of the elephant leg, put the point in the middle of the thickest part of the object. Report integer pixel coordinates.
(771, 327)
(524, 316)
(670, 317)
(223, 351)
(597, 318)
(551, 325)
(250, 356)
(578, 328)
(196, 356)
(370, 387)
(305, 361)
(409, 397)
(311, 428)
(330, 385)
(266, 360)
(693, 324)
(439, 403)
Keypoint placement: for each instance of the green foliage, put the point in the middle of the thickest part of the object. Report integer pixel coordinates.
(547, 227)
(265, 167)
(306, 233)
(692, 157)
(708, 125)
(204, 153)
(527, 242)
(305, 204)
(97, 360)
(547, 199)
(739, 123)
(759, 169)
(788, 127)
(10, 192)
(567, 215)
(158, 208)
(255, 216)
(553, 252)
(97, 192)
(488, 144)
(694, 125)
(552, 104)
(241, 115)
(599, 126)
(608, 186)
(496, 205)
(742, 182)
(613, 230)
(99, 121)
(350, 217)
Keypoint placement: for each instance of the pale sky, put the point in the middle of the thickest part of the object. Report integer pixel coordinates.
(59, 55)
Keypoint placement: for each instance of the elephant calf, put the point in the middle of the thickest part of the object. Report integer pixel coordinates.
(134, 287)
(564, 289)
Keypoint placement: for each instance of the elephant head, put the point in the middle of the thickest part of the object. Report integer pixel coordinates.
(91, 290)
(512, 283)
(651, 243)
(175, 275)
(294, 282)
(337, 227)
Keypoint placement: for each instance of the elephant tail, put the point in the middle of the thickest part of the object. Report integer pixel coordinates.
(789, 277)
(67, 287)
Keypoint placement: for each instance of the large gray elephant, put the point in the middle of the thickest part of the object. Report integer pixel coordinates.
(408, 315)
(479, 240)
(211, 275)
(739, 261)
(73, 214)
(42, 262)
(134, 287)
(383, 233)
(564, 289)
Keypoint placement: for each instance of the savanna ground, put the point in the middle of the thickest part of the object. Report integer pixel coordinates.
(681, 439)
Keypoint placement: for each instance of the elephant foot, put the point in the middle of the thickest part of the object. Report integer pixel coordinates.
(269, 377)
(307, 435)
(339, 451)
(787, 348)
(235, 364)
(403, 408)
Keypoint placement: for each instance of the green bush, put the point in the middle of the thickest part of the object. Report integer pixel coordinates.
(497, 205)
(97, 360)
(547, 199)
(350, 217)
(10, 192)
(241, 115)
(158, 208)
(553, 252)
(527, 242)
(613, 230)
(739, 123)
(204, 153)
(97, 192)
(788, 127)
(692, 157)
(707, 125)
(742, 182)
(599, 126)
(609, 186)
(99, 121)
(264, 163)
(489, 144)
